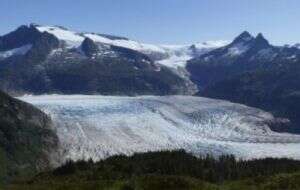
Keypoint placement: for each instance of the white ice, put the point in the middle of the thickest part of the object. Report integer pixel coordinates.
(100, 126)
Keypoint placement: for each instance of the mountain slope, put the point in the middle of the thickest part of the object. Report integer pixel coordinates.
(27, 142)
(246, 53)
(56, 60)
(275, 90)
(252, 71)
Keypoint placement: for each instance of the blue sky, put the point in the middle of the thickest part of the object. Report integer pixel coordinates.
(161, 21)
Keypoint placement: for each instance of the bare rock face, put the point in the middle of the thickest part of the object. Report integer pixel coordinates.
(280, 124)
(28, 143)
(89, 47)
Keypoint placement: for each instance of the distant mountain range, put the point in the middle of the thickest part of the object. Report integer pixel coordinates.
(252, 71)
(245, 53)
(39, 59)
(52, 59)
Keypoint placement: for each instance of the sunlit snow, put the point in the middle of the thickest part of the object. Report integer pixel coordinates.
(100, 126)
(61, 33)
(174, 55)
(130, 44)
(74, 39)
(179, 55)
(237, 49)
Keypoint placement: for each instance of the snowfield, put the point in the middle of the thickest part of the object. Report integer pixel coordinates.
(178, 55)
(174, 56)
(100, 126)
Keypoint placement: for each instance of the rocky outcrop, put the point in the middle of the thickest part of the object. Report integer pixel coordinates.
(21, 36)
(27, 141)
(89, 47)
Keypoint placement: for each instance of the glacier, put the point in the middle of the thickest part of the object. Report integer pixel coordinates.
(95, 126)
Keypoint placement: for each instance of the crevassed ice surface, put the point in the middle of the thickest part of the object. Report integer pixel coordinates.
(100, 126)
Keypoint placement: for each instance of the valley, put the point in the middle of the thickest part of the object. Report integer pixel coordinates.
(149, 95)
(105, 95)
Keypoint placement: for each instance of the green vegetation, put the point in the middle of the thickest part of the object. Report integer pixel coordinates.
(26, 139)
(168, 170)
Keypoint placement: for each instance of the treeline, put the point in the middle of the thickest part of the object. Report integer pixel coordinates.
(176, 163)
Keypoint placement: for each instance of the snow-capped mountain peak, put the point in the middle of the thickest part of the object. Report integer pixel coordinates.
(74, 39)
(172, 56)
(168, 55)
(245, 42)
(70, 36)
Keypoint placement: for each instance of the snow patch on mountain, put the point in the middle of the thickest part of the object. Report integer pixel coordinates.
(297, 45)
(292, 57)
(237, 49)
(16, 51)
(100, 126)
(211, 44)
(267, 54)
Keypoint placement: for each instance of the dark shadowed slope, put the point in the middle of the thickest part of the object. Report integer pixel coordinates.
(26, 139)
